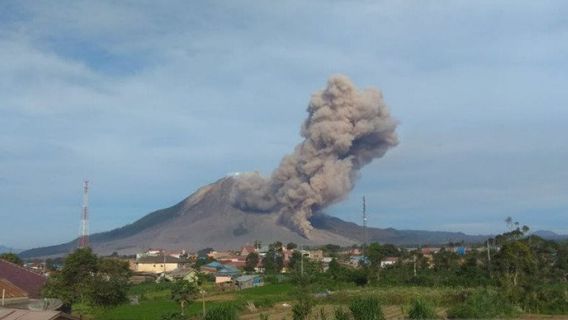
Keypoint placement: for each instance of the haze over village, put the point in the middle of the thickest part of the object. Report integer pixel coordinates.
(291, 160)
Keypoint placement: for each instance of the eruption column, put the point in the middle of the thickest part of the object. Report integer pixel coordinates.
(346, 129)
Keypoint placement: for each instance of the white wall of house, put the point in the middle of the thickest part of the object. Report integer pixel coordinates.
(222, 279)
(156, 267)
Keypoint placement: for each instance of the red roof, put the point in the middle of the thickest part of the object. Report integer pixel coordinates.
(11, 291)
(25, 279)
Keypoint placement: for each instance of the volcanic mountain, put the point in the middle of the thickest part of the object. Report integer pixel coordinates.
(346, 129)
(207, 218)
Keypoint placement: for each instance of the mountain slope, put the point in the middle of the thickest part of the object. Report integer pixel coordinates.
(207, 218)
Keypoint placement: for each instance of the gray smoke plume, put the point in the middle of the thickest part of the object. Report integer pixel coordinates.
(346, 129)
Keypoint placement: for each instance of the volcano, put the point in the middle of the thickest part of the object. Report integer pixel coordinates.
(208, 218)
(346, 129)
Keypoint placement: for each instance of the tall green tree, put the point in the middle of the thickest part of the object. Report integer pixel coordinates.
(273, 261)
(87, 278)
(375, 255)
(251, 261)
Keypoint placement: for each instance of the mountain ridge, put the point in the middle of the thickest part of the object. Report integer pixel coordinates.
(207, 218)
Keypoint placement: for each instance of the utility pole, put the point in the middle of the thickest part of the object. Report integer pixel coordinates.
(488, 252)
(84, 235)
(203, 301)
(415, 265)
(164, 261)
(364, 226)
(302, 261)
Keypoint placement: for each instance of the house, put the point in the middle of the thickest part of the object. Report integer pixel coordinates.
(157, 264)
(211, 267)
(248, 281)
(187, 274)
(25, 279)
(461, 251)
(220, 269)
(357, 261)
(236, 261)
(11, 294)
(429, 250)
(20, 314)
(263, 250)
(315, 254)
(219, 279)
(355, 251)
(229, 271)
(388, 261)
(217, 255)
(246, 250)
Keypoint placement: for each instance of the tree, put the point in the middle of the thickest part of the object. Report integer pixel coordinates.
(184, 292)
(251, 261)
(375, 255)
(332, 249)
(109, 285)
(273, 260)
(12, 257)
(291, 246)
(390, 250)
(295, 260)
(86, 278)
(204, 252)
(335, 270)
(107, 291)
(516, 269)
(445, 260)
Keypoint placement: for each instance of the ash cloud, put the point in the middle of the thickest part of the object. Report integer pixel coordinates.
(346, 129)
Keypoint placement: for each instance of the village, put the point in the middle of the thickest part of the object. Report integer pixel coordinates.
(227, 270)
(244, 268)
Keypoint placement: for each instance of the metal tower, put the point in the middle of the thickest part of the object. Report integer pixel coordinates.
(84, 236)
(364, 225)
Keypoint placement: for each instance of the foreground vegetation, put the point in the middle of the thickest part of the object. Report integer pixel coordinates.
(519, 275)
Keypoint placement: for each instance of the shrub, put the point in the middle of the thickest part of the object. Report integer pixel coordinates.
(222, 312)
(263, 316)
(366, 309)
(302, 309)
(549, 299)
(483, 304)
(341, 314)
(421, 310)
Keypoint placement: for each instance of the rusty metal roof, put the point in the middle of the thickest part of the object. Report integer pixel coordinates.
(10, 290)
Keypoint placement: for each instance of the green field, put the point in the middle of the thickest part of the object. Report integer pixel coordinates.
(154, 300)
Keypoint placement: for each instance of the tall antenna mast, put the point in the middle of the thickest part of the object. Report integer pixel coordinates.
(364, 225)
(84, 236)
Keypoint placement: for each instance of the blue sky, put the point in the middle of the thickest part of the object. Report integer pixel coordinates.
(150, 100)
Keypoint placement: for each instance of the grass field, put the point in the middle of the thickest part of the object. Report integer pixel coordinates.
(274, 300)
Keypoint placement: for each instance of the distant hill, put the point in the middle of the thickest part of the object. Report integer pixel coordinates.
(207, 218)
(549, 235)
